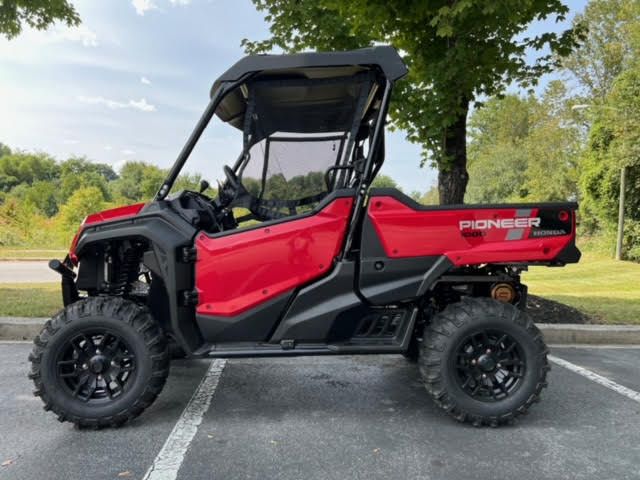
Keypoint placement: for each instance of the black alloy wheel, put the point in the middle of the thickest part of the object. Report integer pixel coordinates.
(490, 365)
(96, 366)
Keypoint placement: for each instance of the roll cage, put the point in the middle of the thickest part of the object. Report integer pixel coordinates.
(308, 100)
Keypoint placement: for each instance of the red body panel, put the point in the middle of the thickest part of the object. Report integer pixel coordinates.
(238, 271)
(407, 232)
(118, 213)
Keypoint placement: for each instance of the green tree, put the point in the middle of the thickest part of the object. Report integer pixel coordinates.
(606, 50)
(614, 143)
(42, 195)
(4, 150)
(456, 52)
(384, 181)
(83, 202)
(18, 168)
(431, 196)
(39, 14)
(139, 181)
(553, 148)
(79, 172)
(497, 160)
(524, 149)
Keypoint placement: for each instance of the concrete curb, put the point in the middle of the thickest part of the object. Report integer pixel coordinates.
(20, 328)
(567, 334)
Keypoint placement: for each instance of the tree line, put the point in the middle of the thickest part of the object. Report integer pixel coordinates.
(43, 201)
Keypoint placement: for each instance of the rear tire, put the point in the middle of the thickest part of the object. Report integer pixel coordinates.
(483, 362)
(99, 362)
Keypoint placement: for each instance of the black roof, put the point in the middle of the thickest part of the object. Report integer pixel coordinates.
(384, 57)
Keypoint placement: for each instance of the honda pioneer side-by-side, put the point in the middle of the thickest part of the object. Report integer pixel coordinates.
(297, 255)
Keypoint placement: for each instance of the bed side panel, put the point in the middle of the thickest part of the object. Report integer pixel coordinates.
(475, 234)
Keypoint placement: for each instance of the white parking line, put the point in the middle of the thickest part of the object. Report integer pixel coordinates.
(599, 379)
(170, 458)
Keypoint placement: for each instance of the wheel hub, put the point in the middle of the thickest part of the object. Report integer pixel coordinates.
(486, 362)
(98, 364)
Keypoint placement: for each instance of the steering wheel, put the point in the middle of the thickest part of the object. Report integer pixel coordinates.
(232, 178)
(229, 190)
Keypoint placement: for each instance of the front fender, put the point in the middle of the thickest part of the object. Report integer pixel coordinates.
(166, 233)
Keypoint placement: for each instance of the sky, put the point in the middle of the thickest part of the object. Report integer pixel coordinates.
(132, 80)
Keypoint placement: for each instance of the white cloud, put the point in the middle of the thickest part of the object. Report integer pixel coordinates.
(70, 141)
(127, 152)
(143, 6)
(108, 148)
(145, 80)
(180, 2)
(81, 34)
(141, 104)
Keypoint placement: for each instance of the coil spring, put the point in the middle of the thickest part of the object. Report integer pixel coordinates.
(126, 272)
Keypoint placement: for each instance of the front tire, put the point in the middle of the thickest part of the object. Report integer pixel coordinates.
(483, 362)
(99, 362)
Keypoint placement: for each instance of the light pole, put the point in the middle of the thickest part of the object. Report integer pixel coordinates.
(623, 181)
(623, 175)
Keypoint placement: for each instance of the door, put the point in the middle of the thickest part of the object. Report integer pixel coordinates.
(241, 270)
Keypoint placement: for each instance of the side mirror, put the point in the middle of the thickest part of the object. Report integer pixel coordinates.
(203, 185)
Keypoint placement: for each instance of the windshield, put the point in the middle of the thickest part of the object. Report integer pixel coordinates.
(296, 132)
(291, 166)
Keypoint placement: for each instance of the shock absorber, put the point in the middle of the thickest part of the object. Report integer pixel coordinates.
(127, 271)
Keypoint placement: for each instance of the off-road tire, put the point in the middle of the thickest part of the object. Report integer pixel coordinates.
(136, 326)
(441, 340)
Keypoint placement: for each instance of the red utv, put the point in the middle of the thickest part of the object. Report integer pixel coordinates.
(319, 263)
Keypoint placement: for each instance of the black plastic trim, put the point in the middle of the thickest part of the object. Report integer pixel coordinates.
(317, 306)
(254, 325)
(569, 254)
(247, 349)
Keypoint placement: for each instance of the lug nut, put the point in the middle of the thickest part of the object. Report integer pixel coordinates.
(484, 375)
(473, 362)
(85, 366)
(499, 365)
(113, 363)
(98, 351)
(488, 351)
(99, 377)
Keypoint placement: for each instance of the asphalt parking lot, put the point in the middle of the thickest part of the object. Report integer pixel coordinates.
(364, 417)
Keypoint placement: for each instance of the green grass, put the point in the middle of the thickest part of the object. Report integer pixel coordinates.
(607, 290)
(7, 253)
(29, 300)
